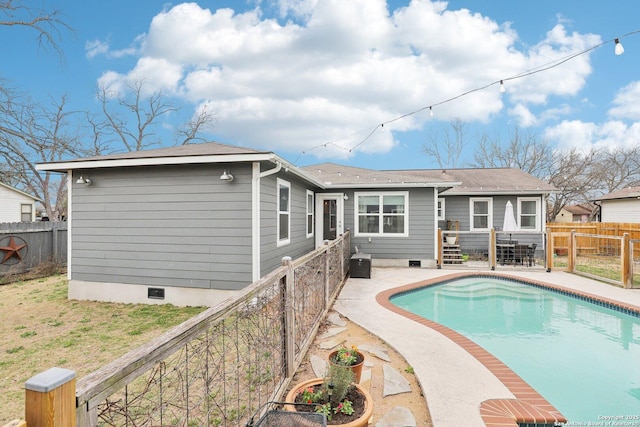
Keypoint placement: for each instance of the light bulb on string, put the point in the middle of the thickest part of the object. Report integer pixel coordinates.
(502, 88)
(431, 111)
(618, 49)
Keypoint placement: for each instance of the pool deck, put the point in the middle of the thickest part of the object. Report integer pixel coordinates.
(459, 379)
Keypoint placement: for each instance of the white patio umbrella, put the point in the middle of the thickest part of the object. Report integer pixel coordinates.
(509, 225)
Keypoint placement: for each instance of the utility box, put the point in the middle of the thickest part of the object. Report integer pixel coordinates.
(360, 266)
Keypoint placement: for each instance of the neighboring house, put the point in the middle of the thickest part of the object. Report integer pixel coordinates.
(620, 206)
(202, 221)
(575, 213)
(16, 205)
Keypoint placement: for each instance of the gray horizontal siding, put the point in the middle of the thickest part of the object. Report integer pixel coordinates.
(165, 226)
(271, 254)
(419, 243)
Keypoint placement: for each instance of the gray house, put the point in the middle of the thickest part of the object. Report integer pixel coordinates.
(202, 221)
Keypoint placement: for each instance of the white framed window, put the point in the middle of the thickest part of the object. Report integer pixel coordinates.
(26, 213)
(382, 214)
(310, 207)
(481, 213)
(441, 212)
(529, 213)
(284, 212)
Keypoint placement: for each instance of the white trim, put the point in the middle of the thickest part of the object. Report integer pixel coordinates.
(69, 223)
(255, 221)
(538, 213)
(442, 201)
(312, 213)
(380, 195)
(320, 199)
(489, 213)
(282, 183)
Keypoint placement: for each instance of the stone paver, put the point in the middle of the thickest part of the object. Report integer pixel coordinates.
(397, 417)
(379, 352)
(336, 319)
(331, 332)
(319, 365)
(327, 345)
(394, 382)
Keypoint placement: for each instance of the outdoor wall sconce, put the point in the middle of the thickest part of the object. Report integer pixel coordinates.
(226, 176)
(85, 181)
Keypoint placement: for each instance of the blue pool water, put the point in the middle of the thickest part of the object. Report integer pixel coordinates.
(583, 358)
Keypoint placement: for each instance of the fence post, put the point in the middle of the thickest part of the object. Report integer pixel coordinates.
(627, 259)
(571, 252)
(289, 320)
(439, 249)
(549, 250)
(50, 399)
(492, 249)
(327, 278)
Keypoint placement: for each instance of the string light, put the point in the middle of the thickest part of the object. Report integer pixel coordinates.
(618, 49)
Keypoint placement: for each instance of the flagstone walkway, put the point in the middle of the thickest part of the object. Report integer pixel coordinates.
(397, 396)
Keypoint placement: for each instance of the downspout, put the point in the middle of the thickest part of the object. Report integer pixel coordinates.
(256, 220)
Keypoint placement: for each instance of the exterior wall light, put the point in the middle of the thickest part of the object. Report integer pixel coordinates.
(226, 176)
(85, 181)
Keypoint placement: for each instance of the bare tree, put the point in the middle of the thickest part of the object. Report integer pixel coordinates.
(30, 134)
(525, 152)
(130, 118)
(46, 23)
(447, 146)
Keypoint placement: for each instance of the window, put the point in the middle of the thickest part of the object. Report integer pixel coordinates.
(481, 213)
(383, 214)
(528, 213)
(441, 209)
(310, 213)
(26, 213)
(284, 212)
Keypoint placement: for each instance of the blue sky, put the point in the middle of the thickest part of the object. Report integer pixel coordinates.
(312, 80)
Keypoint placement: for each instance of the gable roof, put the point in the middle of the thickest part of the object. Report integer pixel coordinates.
(625, 193)
(19, 191)
(580, 209)
(486, 181)
(340, 176)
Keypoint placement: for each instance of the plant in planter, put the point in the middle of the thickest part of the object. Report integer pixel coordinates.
(336, 396)
(349, 357)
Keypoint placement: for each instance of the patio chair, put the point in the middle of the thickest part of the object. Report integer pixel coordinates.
(520, 254)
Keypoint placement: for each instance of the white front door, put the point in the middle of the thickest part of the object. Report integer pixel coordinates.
(329, 217)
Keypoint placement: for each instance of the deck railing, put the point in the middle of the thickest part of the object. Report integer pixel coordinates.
(219, 367)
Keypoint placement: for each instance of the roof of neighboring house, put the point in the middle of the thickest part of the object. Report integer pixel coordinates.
(625, 193)
(19, 191)
(486, 181)
(340, 176)
(580, 209)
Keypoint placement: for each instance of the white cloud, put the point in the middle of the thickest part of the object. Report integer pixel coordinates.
(338, 68)
(524, 116)
(584, 135)
(627, 102)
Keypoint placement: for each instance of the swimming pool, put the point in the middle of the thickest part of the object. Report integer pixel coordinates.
(582, 357)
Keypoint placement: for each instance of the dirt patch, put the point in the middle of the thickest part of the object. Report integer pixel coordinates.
(41, 329)
(356, 335)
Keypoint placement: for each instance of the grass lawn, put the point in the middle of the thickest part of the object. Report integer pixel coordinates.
(40, 328)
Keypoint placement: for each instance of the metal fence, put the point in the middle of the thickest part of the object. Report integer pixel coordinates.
(26, 245)
(219, 367)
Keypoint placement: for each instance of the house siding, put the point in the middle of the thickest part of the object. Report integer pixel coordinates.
(10, 202)
(626, 210)
(299, 244)
(164, 226)
(420, 242)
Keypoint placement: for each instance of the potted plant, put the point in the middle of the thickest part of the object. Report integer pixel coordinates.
(349, 357)
(342, 401)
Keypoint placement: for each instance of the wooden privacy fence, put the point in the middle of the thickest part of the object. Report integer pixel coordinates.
(611, 229)
(216, 369)
(33, 243)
